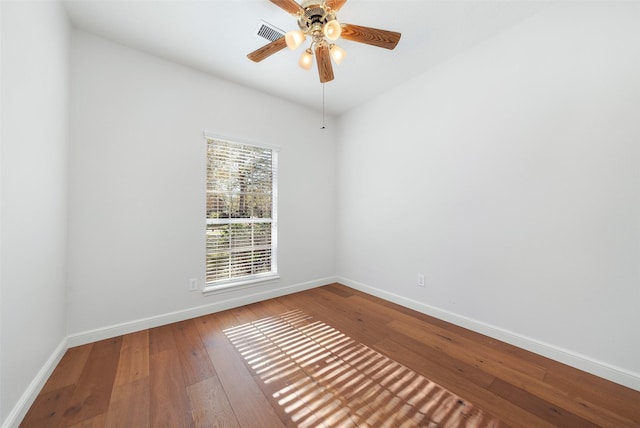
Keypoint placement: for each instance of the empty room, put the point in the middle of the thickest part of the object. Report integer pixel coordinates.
(358, 213)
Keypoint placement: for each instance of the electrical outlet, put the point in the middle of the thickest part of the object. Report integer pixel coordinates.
(193, 284)
(421, 280)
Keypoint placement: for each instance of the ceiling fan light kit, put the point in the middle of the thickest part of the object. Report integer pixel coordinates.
(318, 21)
(332, 30)
(337, 53)
(306, 59)
(294, 39)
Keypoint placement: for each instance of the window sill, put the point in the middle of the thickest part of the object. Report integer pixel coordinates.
(239, 284)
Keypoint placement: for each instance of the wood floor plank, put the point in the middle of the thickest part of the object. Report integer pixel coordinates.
(339, 289)
(511, 414)
(93, 391)
(169, 402)
(570, 402)
(399, 311)
(613, 397)
(465, 350)
(69, 368)
(133, 363)
(290, 388)
(196, 365)
(334, 315)
(543, 409)
(352, 308)
(130, 397)
(410, 338)
(563, 400)
(98, 421)
(48, 408)
(276, 306)
(268, 308)
(443, 361)
(284, 391)
(211, 407)
(244, 315)
(244, 394)
(161, 339)
(525, 362)
(130, 404)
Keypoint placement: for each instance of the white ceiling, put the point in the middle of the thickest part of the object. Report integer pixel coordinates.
(215, 36)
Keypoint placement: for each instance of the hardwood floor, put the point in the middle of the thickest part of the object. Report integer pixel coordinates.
(326, 357)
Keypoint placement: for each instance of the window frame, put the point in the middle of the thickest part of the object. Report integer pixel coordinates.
(246, 281)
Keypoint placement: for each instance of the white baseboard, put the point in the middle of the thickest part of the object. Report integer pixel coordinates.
(582, 362)
(31, 393)
(254, 294)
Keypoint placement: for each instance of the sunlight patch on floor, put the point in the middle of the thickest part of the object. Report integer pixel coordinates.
(321, 377)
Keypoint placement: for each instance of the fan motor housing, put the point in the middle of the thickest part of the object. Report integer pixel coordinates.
(314, 16)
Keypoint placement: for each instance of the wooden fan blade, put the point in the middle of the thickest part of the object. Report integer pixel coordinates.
(289, 6)
(325, 69)
(335, 5)
(371, 36)
(267, 50)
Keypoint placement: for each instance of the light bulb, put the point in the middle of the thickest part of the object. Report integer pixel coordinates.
(294, 38)
(306, 59)
(332, 30)
(337, 53)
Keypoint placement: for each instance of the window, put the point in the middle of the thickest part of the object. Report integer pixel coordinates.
(241, 213)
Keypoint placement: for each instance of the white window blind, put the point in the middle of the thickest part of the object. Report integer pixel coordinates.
(241, 212)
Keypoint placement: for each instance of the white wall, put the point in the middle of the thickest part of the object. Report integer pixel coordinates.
(137, 185)
(509, 177)
(35, 46)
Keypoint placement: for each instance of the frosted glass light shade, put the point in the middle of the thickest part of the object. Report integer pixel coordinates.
(294, 38)
(332, 30)
(306, 59)
(337, 53)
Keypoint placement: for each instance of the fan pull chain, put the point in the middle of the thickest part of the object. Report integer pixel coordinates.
(322, 107)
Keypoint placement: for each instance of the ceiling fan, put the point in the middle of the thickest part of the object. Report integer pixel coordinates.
(317, 20)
